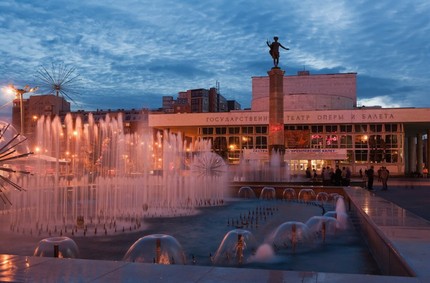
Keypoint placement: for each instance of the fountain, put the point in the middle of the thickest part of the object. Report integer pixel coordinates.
(246, 192)
(270, 169)
(94, 179)
(292, 236)
(157, 248)
(268, 193)
(236, 245)
(289, 194)
(111, 187)
(62, 247)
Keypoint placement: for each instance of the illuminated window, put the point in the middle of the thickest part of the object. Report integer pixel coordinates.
(316, 141)
(361, 141)
(233, 143)
(332, 141)
(247, 142)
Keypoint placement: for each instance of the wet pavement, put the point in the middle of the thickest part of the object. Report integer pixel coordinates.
(413, 194)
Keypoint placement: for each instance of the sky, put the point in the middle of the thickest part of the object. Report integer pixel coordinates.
(129, 53)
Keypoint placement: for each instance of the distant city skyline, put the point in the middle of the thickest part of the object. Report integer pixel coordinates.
(131, 53)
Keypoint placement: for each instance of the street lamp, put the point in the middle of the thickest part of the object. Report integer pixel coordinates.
(19, 92)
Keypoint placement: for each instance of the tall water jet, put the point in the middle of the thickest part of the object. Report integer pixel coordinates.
(342, 216)
(99, 180)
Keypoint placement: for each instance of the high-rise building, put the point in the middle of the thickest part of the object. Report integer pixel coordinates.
(197, 101)
(34, 107)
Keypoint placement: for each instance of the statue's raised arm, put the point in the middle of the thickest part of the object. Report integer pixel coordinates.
(274, 50)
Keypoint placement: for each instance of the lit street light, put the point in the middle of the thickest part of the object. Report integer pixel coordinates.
(19, 92)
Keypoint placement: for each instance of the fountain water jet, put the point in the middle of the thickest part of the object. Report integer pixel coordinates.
(268, 193)
(107, 181)
(271, 169)
(291, 236)
(289, 194)
(62, 247)
(156, 248)
(246, 192)
(235, 248)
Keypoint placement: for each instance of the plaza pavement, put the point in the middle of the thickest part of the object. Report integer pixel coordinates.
(412, 194)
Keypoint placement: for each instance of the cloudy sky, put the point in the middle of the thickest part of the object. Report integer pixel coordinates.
(130, 53)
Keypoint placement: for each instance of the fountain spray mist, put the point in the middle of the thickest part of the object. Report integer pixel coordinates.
(101, 180)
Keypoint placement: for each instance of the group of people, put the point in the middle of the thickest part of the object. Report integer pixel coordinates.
(369, 175)
(342, 177)
(334, 176)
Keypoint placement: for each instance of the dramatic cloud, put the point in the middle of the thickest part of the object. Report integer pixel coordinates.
(130, 53)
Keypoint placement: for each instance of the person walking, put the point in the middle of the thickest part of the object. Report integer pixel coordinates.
(326, 175)
(348, 177)
(370, 177)
(337, 176)
(384, 174)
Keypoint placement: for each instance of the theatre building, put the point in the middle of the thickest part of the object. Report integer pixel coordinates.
(322, 127)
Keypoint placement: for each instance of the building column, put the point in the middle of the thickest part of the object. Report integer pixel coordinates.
(411, 154)
(419, 164)
(276, 111)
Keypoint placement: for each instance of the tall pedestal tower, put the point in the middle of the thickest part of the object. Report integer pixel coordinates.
(276, 111)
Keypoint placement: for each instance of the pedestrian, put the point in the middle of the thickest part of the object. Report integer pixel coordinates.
(379, 174)
(425, 172)
(370, 176)
(348, 177)
(308, 173)
(337, 176)
(384, 174)
(326, 175)
(343, 176)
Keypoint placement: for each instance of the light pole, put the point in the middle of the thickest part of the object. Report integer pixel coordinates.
(19, 92)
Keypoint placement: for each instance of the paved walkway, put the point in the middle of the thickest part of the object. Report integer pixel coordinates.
(412, 194)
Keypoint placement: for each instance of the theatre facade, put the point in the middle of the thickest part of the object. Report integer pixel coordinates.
(344, 135)
(359, 138)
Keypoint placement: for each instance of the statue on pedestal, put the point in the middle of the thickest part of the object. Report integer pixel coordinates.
(274, 50)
